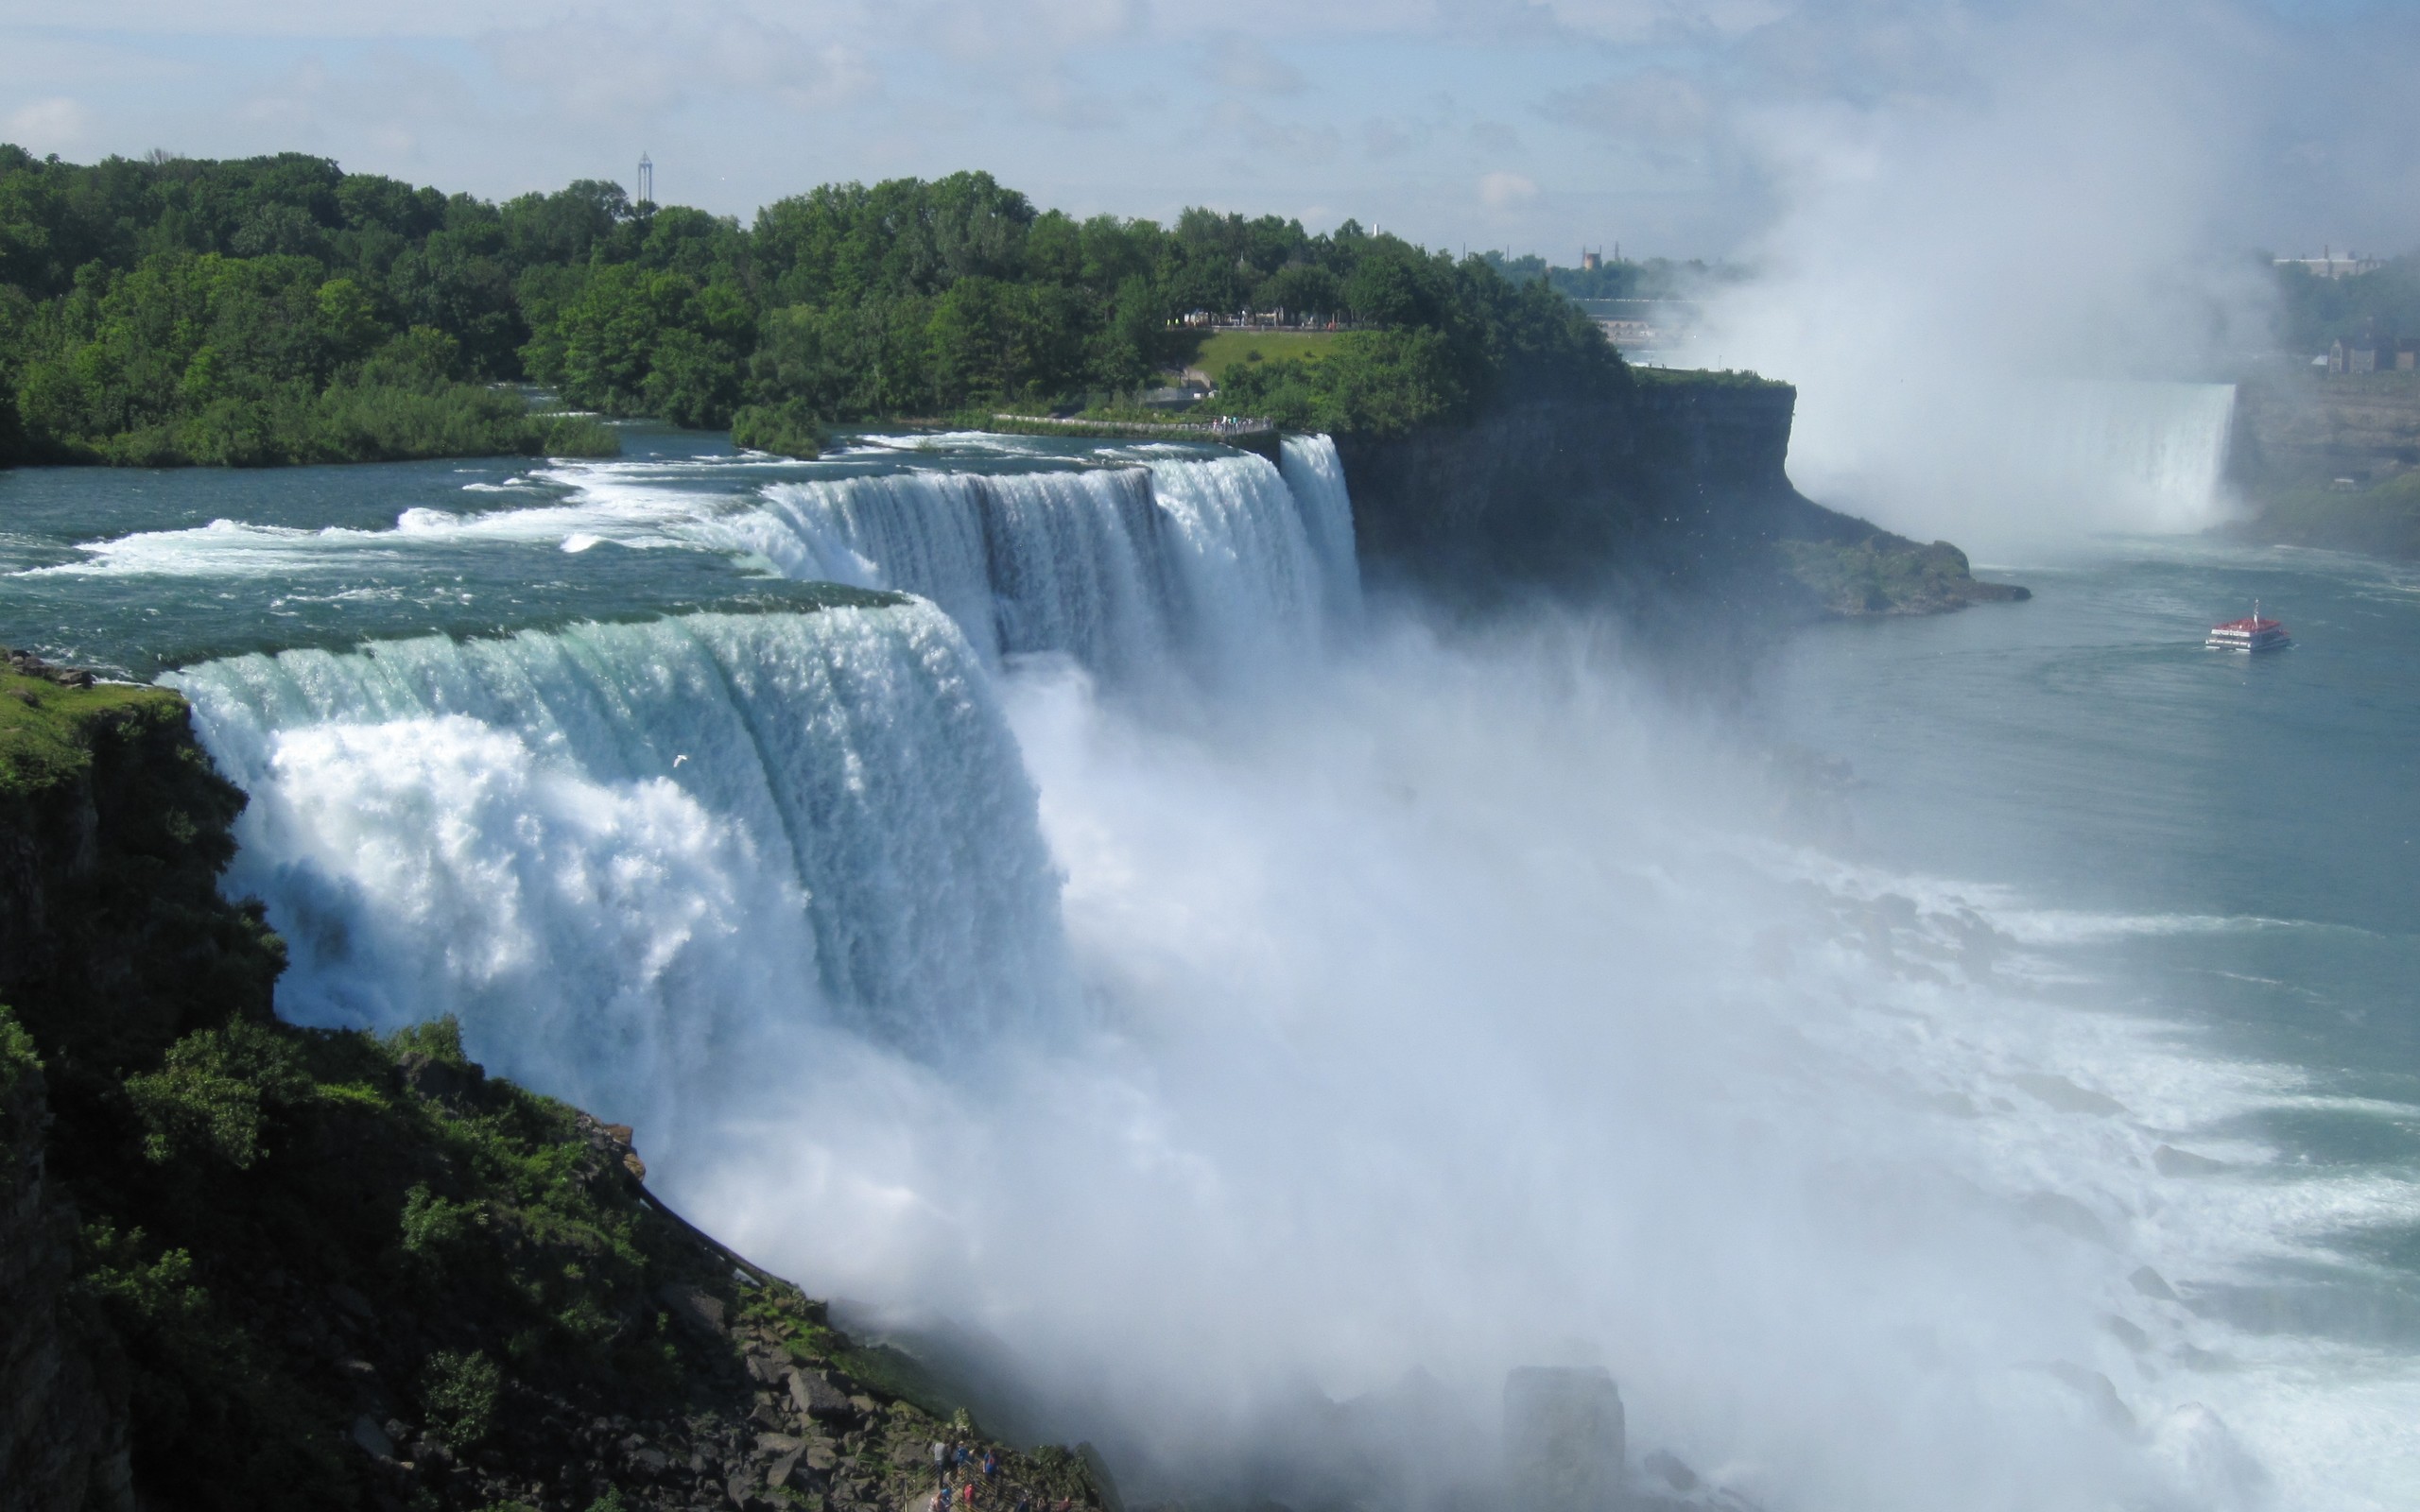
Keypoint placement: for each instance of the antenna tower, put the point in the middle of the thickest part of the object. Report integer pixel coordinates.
(647, 180)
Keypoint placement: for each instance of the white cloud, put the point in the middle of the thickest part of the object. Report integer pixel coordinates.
(1382, 138)
(1239, 63)
(1656, 104)
(601, 69)
(1503, 191)
(1494, 136)
(56, 125)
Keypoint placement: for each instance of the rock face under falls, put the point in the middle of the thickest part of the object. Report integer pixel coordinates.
(1669, 500)
(1662, 484)
(1563, 1442)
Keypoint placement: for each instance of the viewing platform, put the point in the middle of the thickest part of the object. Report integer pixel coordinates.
(1250, 432)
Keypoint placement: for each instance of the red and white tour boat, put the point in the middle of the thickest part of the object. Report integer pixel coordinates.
(2253, 635)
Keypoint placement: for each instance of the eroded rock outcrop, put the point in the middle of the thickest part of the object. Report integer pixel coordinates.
(1670, 498)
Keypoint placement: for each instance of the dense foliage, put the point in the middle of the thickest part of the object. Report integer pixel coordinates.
(2379, 305)
(1454, 337)
(279, 309)
(274, 310)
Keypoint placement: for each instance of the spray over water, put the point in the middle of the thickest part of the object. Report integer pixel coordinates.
(1344, 1036)
(2003, 283)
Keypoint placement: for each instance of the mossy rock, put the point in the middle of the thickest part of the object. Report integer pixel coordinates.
(1883, 574)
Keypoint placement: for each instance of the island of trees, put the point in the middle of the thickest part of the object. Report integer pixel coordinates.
(278, 309)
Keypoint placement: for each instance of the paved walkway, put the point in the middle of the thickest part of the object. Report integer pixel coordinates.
(1223, 428)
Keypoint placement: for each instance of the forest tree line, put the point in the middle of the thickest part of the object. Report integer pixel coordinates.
(2382, 304)
(279, 309)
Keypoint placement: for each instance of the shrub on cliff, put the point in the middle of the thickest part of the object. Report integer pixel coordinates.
(788, 429)
(1379, 382)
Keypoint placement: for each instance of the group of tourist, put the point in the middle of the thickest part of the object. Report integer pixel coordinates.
(962, 1477)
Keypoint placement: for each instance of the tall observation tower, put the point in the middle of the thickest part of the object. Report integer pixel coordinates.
(647, 180)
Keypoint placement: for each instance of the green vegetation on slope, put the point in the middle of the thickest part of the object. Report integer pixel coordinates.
(319, 1269)
(2383, 519)
(2382, 304)
(1704, 378)
(1883, 574)
(786, 430)
(279, 309)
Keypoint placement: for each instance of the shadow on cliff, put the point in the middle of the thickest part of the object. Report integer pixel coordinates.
(1667, 502)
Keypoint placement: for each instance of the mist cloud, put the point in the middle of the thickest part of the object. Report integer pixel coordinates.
(2060, 206)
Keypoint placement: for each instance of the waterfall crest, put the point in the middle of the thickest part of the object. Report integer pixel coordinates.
(613, 849)
(1223, 565)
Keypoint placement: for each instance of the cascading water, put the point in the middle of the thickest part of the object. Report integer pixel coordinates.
(1222, 564)
(1993, 460)
(2151, 454)
(1426, 1011)
(1316, 476)
(629, 854)
(1068, 561)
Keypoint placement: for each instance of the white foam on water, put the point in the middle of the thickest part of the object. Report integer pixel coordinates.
(1446, 1020)
(1221, 565)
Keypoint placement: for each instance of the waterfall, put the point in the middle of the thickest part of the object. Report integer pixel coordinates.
(1222, 564)
(626, 854)
(1038, 561)
(1316, 476)
(2146, 455)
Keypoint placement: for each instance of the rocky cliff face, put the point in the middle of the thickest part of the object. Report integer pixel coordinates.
(2302, 428)
(1671, 496)
(2330, 461)
(62, 1430)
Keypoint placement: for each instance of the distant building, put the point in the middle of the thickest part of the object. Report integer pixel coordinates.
(2373, 355)
(2327, 265)
(1590, 262)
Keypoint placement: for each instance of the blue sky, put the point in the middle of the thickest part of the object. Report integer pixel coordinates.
(1673, 127)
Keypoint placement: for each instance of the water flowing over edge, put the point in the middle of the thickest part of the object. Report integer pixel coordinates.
(613, 849)
(628, 855)
(1227, 566)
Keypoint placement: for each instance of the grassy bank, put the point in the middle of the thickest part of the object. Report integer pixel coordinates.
(2383, 520)
(1227, 349)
